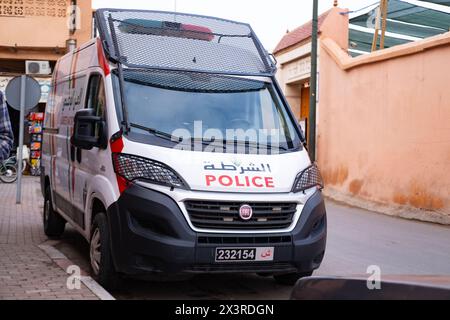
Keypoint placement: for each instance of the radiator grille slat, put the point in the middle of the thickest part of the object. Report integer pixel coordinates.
(225, 215)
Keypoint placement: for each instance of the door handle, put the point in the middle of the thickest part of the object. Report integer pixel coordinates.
(79, 155)
(75, 153)
(72, 152)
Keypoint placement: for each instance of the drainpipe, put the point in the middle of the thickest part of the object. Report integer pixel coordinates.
(73, 4)
(313, 89)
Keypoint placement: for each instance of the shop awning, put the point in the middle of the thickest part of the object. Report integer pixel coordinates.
(407, 20)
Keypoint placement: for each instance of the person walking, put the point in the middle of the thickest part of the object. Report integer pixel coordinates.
(6, 133)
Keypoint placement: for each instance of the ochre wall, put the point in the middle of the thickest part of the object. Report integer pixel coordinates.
(42, 26)
(384, 125)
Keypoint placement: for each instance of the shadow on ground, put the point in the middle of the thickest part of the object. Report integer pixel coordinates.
(224, 286)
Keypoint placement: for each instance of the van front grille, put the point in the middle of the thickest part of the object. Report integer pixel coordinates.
(243, 267)
(225, 215)
(244, 240)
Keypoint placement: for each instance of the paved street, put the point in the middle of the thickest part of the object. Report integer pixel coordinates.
(356, 239)
(27, 272)
(162, 118)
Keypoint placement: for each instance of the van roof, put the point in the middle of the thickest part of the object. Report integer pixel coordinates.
(182, 42)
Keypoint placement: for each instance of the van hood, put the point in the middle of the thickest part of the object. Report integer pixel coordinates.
(228, 172)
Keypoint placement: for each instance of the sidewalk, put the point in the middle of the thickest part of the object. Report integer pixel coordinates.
(26, 271)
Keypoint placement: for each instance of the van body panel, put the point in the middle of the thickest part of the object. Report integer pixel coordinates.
(228, 172)
(99, 188)
(71, 169)
(151, 224)
(150, 235)
(181, 196)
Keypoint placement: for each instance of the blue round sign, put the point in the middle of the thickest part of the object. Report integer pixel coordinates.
(32, 92)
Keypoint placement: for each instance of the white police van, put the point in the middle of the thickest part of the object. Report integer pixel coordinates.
(170, 147)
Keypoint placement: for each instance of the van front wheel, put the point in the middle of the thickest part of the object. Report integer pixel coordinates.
(54, 224)
(100, 254)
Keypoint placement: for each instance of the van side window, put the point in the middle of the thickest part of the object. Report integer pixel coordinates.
(96, 98)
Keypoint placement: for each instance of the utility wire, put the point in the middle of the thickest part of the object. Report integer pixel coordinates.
(363, 8)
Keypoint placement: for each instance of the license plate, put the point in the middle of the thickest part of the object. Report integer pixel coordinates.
(244, 254)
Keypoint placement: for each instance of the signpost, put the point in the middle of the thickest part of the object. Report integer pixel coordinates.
(22, 93)
(313, 89)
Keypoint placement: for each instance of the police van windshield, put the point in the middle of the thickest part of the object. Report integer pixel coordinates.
(208, 108)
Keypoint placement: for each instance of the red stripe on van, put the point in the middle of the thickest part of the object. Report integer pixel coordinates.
(52, 125)
(103, 63)
(73, 71)
(74, 68)
(117, 147)
(73, 167)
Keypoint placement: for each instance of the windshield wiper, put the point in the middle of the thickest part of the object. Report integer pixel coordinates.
(255, 144)
(206, 142)
(203, 141)
(157, 133)
(224, 143)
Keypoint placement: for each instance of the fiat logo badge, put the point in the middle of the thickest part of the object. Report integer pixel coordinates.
(245, 212)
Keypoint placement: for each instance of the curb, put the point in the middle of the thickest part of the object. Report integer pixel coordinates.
(63, 262)
(393, 210)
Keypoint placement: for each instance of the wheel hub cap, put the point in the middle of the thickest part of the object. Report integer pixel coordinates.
(95, 253)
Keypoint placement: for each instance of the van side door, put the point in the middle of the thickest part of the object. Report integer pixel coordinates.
(87, 163)
(72, 97)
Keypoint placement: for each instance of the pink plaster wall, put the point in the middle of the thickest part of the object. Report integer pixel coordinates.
(384, 123)
(335, 26)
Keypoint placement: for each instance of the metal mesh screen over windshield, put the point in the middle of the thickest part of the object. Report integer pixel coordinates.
(161, 40)
(191, 81)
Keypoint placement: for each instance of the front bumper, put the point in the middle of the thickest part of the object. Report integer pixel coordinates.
(149, 234)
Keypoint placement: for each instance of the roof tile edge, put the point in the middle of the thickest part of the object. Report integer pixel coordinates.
(299, 34)
(346, 62)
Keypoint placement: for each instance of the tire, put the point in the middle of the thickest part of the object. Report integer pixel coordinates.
(54, 224)
(290, 279)
(8, 173)
(100, 254)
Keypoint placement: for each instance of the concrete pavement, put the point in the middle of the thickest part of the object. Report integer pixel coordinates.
(26, 272)
(357, 238)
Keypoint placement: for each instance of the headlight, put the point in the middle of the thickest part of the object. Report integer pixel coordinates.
(131, 167)
(308, 178)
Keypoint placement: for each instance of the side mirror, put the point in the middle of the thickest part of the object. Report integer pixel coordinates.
(89, 130)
